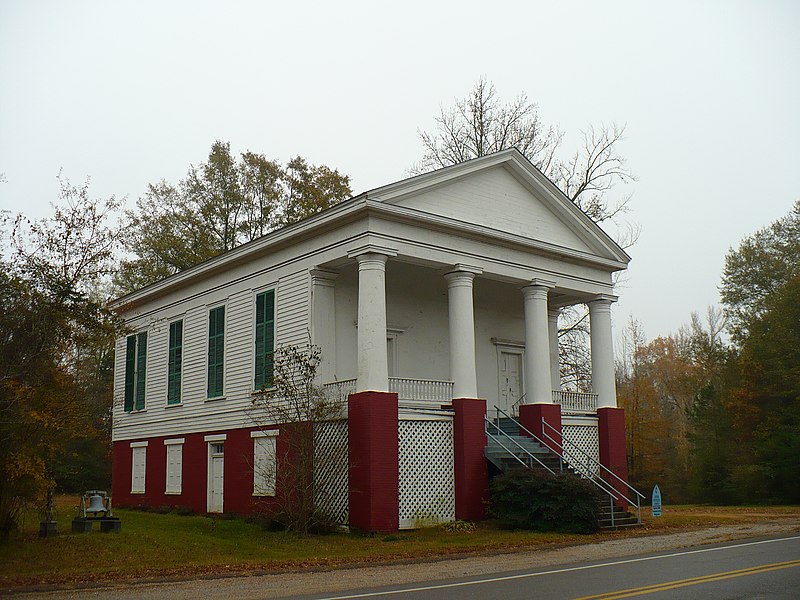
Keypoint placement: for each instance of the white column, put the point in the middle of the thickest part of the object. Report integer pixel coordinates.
(323, 321)
(373, 364)
(462, 331)
(552, 327)
(537, 343)
(603, 383)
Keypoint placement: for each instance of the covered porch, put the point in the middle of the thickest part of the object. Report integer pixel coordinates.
(431, 333)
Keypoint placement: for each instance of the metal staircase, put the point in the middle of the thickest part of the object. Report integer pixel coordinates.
(507, 449)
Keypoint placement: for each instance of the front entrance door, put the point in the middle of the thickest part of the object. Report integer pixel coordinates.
(510, 377)
(216, 476)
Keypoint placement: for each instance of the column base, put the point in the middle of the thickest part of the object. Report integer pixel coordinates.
(531, 417)
(373, 483)
(613, 452)
(470, 470)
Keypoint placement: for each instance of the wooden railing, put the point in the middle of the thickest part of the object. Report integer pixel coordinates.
(339, 390)
(406, 388)
(577, 402)
(427, 390)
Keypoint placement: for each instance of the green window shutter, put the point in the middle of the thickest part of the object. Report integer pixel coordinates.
(265, 338)
(216, 350)
(174, 362)
(141, 365)
(130, 371)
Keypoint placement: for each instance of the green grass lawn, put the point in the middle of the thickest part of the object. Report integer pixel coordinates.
(163, 545)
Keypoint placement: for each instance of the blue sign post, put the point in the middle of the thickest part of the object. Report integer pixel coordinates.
(656, 505)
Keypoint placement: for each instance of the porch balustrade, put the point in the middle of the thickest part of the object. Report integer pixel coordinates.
(575, 402)
(406, 388)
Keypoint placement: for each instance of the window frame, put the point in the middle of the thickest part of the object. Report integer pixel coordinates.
(265, 477)
(138, 449)
(135, 388)
(217, 365)
(173, 446)
(262, 377)
(175, 364)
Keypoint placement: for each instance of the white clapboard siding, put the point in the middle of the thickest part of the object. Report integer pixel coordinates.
(291, 323)
(194, 375)
(239, 342)
(496, 199)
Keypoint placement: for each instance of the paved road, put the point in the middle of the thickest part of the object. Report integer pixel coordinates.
(765, 568)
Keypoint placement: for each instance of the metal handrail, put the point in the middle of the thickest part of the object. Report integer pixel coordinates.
(589, 460)
(602, 485)
(525, 450)
(517, 403)
(599, 464)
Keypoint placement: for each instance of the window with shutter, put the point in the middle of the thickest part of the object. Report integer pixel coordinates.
(216, 351)
(135, 371)
(265, 338)
(264, 463)
(138, 469)
(174, 362)
(174, 466)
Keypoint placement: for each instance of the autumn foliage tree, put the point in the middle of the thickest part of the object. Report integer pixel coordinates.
(56, 346)
(717, 419)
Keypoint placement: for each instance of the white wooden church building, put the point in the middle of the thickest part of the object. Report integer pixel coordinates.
(432, 299)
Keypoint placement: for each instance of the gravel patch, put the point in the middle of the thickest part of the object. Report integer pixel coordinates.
(340, 580)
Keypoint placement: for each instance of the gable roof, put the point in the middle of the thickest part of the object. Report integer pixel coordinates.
(393, 197)
(557, 207)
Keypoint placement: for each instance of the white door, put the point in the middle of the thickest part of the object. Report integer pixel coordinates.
(510, 377)
(216, 476)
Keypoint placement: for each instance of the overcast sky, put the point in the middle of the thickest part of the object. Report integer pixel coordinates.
(129, 93)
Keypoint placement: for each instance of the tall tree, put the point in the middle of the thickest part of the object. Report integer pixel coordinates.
(56, 344)
(770, 387)
(219, 205)
(762, 264)
(481, 124)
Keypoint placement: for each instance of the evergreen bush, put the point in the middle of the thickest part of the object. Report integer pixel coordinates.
(524, 499)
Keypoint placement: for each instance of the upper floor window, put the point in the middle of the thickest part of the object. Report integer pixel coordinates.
(265, 338)
(174, 362)
(135, 371)
(216, 351)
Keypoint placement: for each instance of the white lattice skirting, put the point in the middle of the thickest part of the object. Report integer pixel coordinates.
(427, 483)
(330, 471)
(585, 438)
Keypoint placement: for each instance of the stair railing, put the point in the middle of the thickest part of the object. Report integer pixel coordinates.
(601, 484)
(614, 493)
(487, 423)
(515, 407)
(532, 435)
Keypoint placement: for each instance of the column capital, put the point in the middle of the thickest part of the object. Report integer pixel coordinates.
(542, 282)
(371, 249)
(372, 262)
(553, 313)
(459, 278)
(538, 288)
(322, 276)
(463, 268)
(601, 300)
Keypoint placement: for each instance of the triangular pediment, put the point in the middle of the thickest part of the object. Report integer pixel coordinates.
(506, 193)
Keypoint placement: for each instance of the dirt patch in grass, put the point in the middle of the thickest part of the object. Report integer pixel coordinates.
(157, 546)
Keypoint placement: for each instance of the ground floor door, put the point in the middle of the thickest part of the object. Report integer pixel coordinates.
(510, 378)
(216, 477)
